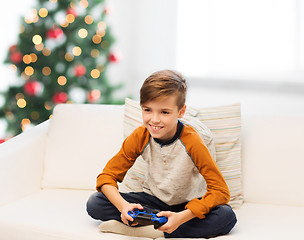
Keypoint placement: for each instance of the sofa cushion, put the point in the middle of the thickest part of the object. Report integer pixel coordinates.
(224, 123)
(81, 139)
(59, 214)
(52, 214)
(267, 221)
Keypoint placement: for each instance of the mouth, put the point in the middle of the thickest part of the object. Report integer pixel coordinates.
(155, 128)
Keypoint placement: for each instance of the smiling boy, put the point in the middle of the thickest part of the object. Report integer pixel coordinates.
(178, 162)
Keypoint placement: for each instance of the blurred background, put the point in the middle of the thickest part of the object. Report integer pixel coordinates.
(229, 51)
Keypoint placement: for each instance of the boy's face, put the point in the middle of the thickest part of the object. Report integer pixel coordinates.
(160, 117)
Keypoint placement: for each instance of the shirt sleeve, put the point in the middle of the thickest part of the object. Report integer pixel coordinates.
(117, 167)
(217, 189)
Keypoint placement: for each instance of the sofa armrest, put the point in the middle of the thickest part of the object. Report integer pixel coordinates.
(21, 163)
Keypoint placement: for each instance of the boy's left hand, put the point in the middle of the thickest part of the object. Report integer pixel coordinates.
(174, 221)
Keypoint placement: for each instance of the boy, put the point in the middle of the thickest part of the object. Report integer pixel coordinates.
(178, 163)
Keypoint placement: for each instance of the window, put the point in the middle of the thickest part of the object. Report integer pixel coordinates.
(241, 39)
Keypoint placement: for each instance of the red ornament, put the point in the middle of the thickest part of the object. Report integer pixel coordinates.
(80, 70)
(32, 88)
(94, 96)
(114, 57)
(60, 97)
(72, 11)
(16, 57)
(13, 48)
(107, 10)
(54, 33)
(2, 141)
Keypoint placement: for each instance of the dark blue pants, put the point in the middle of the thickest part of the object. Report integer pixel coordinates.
(219, 221)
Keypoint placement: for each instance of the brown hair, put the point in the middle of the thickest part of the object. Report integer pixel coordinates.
(162, 84)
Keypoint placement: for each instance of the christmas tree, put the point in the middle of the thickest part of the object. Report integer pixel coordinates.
(62, 53)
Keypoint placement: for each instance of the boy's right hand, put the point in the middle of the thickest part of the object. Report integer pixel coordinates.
(125, 217)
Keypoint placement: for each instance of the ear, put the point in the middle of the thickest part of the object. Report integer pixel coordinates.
(182, 111)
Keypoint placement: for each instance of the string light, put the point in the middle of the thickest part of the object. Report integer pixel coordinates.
(77, 51)
(46, 71)
(102, 25)
(95, 73)
(95, 53)
(46, 52)
(39, 47)
(70, 18)
(21, 103)
(43, 12)
(29, 71)
(82, 33)
(27, 59)
(9, 115)
(84, 3)
(19, 96)
(36, 19)
(65, 24)
(24, 76)
(13, 67)
(89, 19)
(69, 57)
(35, 115)
(62, 80)
(47, 106)
(32, 17)
(37, 39)
(25, 123)
(96, 39)
(33, 57)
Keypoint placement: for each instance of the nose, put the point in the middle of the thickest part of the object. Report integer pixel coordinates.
(155, 118)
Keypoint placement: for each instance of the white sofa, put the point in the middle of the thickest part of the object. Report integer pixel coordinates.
(47, 174)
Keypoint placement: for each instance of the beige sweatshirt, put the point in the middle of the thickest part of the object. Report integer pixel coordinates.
(178, 172)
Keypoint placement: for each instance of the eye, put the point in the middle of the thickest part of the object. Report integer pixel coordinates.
(146, 110)
(165, 112)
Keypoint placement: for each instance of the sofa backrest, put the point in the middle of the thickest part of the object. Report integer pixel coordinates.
(81, 139)
(273, 159)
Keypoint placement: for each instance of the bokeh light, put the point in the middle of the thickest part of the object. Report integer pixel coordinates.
(82, 33)
(43, 12)
(89, 19)
(39, 47)
(27, 59)
(77, 51)
(96, 39)
(70, 18)
(21, 103)
(35, 115)
(69, 57)
(46, 71)
(29, 71)
(46, 52)
(37, 39)
(95, 53)
(95, 73)
(62, 80)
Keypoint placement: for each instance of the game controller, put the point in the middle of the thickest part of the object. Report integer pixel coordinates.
(147, 216)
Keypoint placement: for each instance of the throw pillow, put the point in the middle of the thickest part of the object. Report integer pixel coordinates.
(81, 139)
